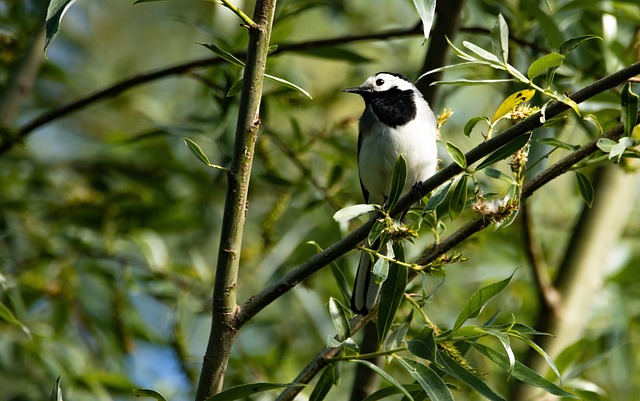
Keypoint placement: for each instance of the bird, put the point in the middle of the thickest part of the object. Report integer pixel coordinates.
(397, 120)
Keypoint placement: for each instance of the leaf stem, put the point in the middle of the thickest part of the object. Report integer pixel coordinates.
(244, 17)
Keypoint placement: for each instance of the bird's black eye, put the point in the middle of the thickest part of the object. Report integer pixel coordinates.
(379, 82)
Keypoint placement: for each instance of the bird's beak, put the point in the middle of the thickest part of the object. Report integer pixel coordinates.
(360, 90)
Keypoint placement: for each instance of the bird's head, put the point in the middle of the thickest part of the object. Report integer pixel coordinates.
(381, 83)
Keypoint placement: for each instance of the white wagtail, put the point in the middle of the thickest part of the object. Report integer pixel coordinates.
(396, 120)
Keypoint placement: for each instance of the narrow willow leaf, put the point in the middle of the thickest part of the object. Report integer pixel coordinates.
(511, 102)
(325, 382)
(391, 294)
(472, 123)
(397, 336)
(438, 196)
(472, 82)
(423, 345)
(195, 149)
(499, 175)
(569, 45)
(556, 143)
(457, 155)
(453, 368)
(431, 383)
(505, 151)
(235, 88)
(245, 390)
(351, 212)
(289, 85)
(339, 319)
(56, 392)
(482, 53)
(386, 392)
(522, 372)
(376, 231)
(7, 315)
(458, 197)
(381, 270)
(148, 393)
(586, 188)
(544, 355)
(479, 300)
(145, 1)
(398, 179)
(385, 376)
(500, 39)
(224, 54)
(544, 63)
(55, 12)
(629, 108)
(426, 10)
(506, 344)
(462, 54)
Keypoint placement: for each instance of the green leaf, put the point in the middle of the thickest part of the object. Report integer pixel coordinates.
(55, 12)
(505, 151)
(235, 88)
(377, 230)
(56, 392)
(289, 85)
(384, 375)
(397, 336)
(398, 180)
(145, 1)
(453, 368)
(586, 189)
(457, 155)
(482, 53)
(511, 102)
(7, 315)
(542, 353)
(386, 392)
(506, 344)
(472, 123)
(438, 196)
(224, 54)
(195, 149)
(325, 382)
(391, 293)
(339, 319)
(569, 45)
(423, 345)
(351, 212)
(556, 143)
(606, 144)
(629, 109)
(499, 175)
(545, 62)
(426, 10)
(245, 390)
(522, 372)
(431, 383)
(458, 197)
(472, 82)
(381, 270)
(500, 39)
(148, 393)
(479, 300)
(619, 148)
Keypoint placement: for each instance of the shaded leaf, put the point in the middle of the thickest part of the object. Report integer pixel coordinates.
(235, 88)
(453, 368)
(629, 108)
(398, 180)
(556, 143)
(431, 383)
(499, 175)
(339, 319)
(479, 300)
(381, 270)
(56, 392)
(55, 12)
(391, 293)
(245, 390)
(195, 149)
(505, 151)
(224, 54)
(458, 197)
(389, 391)
(325, 382)
(438, 196)
(148, 393)
(586, 188)
(472, 123)
(289, 85)
(500, 39)
(423, 345)
(569, 45)
(544, 63)
(7, 315)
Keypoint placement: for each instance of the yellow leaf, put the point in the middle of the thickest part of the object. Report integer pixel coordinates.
(511, 102)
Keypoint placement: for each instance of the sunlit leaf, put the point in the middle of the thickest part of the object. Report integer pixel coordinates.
(289, 85)
(55, 12)
(224, 54)
(148, 393)
(473, 82)
(431, 383)
(426, 10)
(456, 154)
(351, 212)
(544, 63)
(472, 123)
(569, 45)
(56, 392)
(195, 149)
(453, 368)
(505, 151)
(381, 270)
(500, 39)
(339, 319)
(482, 53)
(511, 102)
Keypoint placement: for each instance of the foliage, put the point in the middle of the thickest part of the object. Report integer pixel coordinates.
(110, 226)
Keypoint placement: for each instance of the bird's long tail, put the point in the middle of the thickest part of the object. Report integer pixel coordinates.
(365, 289)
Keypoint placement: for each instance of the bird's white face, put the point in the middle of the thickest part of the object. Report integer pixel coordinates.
(383, 81)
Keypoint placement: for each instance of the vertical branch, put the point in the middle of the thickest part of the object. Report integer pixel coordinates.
(224, 318)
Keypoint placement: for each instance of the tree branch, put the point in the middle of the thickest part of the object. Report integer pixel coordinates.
(224, 327)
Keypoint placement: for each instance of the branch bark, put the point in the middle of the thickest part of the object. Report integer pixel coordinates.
(224, 316)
